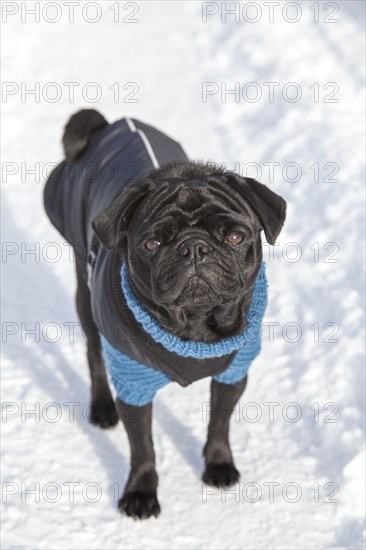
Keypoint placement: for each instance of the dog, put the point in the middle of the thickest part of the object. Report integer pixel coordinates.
(170, 280)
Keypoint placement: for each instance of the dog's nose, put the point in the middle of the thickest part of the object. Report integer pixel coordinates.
(194, 248)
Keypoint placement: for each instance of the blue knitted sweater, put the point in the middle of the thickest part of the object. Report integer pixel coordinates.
(137, 384)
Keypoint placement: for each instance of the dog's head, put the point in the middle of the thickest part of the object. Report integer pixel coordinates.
(191, 233)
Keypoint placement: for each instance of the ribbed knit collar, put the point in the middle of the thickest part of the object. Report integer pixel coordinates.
(196, 349)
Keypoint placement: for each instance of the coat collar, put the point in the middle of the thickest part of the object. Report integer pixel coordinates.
(196, 349)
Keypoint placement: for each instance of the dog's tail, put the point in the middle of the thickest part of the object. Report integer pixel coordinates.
(79, 130)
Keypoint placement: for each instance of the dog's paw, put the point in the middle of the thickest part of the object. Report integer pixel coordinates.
(221, 475)
(139, 505)
(103, 414)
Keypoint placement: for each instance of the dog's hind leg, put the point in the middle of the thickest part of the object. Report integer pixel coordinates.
(220, 469)
(103, 410)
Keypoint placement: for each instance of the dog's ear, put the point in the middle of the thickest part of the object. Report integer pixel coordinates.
(269, 207)
(110, 225)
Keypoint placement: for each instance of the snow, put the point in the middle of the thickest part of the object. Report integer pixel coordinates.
(311, 370)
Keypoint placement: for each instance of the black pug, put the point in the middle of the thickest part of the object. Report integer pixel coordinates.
(170, 278)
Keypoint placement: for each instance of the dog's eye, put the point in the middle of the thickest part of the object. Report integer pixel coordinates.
(234, 238)
(152, 244)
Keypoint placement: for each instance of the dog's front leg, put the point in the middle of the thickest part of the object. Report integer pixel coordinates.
(220, 470)
(139, 499)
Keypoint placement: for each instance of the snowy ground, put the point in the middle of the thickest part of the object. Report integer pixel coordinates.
(311, 371)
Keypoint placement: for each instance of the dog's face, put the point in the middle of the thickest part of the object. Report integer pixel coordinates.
(192, 246)
(192, 236)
